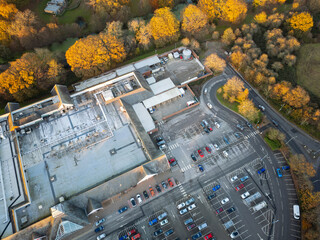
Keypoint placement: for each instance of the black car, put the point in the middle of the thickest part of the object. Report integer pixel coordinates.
(211, 196)
(158, 232)
(169, 232)
(158, 188)
(164, 185)
(145, 194)
(159, 139)
(275, 123)
(230, 210)
(206, 130)
(99, 229)
(193, 157)
(249, 125)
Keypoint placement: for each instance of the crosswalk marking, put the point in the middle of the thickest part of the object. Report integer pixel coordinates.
(174, 146)
(161, 122)
(186, 168)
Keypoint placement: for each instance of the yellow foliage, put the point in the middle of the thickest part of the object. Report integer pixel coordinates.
(248, 110)
(193, 20)
(301, 21)
(261, 18)
(216, 63)
(263, 3)
(4, 35)
(164, 26)
(210, 7)
(233, 10)
(7, 11)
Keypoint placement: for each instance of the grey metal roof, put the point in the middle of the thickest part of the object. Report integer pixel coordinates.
(147, 62)
(161, 98)
(63, 94)
(162, 86)
(93, 206)
(125, 69)
(144, 117)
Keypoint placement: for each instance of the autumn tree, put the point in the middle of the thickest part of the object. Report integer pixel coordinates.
(314, 6)
(216, 63)
(116, 9)
(297, 97)
(210, 8)
(161, 3)
(239, 60)
(275, 134)
(302, 22)
(144, 36)
(233, 11)
(95, 54)
(300, 166)
(234, 90)
(164, 27)
(33, 72)
(267, 3)
(248, 110)
(7, 11)
(194, 21)
(228, 36)
(114, 28)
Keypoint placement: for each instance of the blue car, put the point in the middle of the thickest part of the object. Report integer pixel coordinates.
(279, 172)
(262, 170)
(121, 210)
(226, 140)
(99, 229)
(216, 188)
(123, 237)
(200, 168)
(285, 167)
(196, 236)
(153, 221)
(244, 178)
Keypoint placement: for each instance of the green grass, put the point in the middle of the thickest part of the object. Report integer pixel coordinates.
(308, 68)
(249, 18)
(233, 106)
(63, 47)
(274, 145)
(284, 8)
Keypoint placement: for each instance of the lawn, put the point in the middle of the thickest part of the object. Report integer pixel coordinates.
(308, 68)
(63, 47)
(274, 145)
(233, 106)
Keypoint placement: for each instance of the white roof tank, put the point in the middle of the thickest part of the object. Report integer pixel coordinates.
(186, 54)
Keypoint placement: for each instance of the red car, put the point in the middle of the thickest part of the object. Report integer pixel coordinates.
(170, 182)
(151, 191)
(200, 153)
(239, 187)
(219, 210)
(137, 236)
(208, 149)
(172, 162)
(133, 231)
(208, 236)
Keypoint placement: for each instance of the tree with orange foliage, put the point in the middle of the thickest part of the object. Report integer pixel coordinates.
(210, 8)
(239, 60)
(216, 63)
(7, 11)
(95, 54)
(164, 27)
(300, 166)
(261, 18)
(301, 22)
(280, 89)
(248, 110)
(308, 199)
(267, 3)
(297, 97)
(234, 89)
(194, 22)
(233, 11)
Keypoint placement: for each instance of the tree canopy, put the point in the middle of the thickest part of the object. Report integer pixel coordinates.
(194, 21)
(216, 63)
(301, 21)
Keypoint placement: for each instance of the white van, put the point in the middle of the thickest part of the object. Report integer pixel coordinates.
(296, 211)
(202, 226)
(189, 103)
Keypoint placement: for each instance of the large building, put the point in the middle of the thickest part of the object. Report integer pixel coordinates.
(64, 155)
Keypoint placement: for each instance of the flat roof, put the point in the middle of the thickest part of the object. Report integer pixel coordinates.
(144, 117)
(162, 86)
(125, 69)
(94, 81)
(147, 62)
(163, 97)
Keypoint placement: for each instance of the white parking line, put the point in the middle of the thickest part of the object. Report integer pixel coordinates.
(295, 236)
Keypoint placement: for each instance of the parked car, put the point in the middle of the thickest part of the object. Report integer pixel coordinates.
(249, 124)
(188, 221)
(183, 211)
(164, 222)
(123, 209)
(206, 130)
(202, 226)
(135, 237)
(217, 124)
(215, 188)
(158, 188)
(224, 201)
(181, 205)
(261, 170)
(219, 210)
(196, 236)
(172, 162)
(158, 232)
(234, 178)
(99, 229)
(211, 196)
(225, 154)
(100, 221)
(164, 185)
(237, 135)
(234, 234)
(131, 232)
(191, 226)
(230, 210)
(200, 153)
(208, 149)
(188, 202)
(162, 216)
(279, 172)
(124, 237)
(145, 194)
(191, 207)
(171, 184)
(208, 236)
(200, 168)
(285, 167)
(193, 157)
(216, 146)
(133, 202)
(244, 178)
(245, 195)
(159, 138)
(151, 191)
(238, 188)
(153, 222)
(205, 122)
(210, 129)
(139, 198)
(240, 127)
(102, 236)
(226, 140)
(168, 233)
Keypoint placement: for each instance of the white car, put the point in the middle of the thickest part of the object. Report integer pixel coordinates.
(245, 195)
(102, 236)
(183, 211)
(100, 221)
(209, 105)
(224, 201)
(181, 205)
(216, 146)
(234, 178)
(164, 222)
(217, 125)
(225, 154)
(192, 207)
(205, 91)
(234, 234)
(139, 198)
